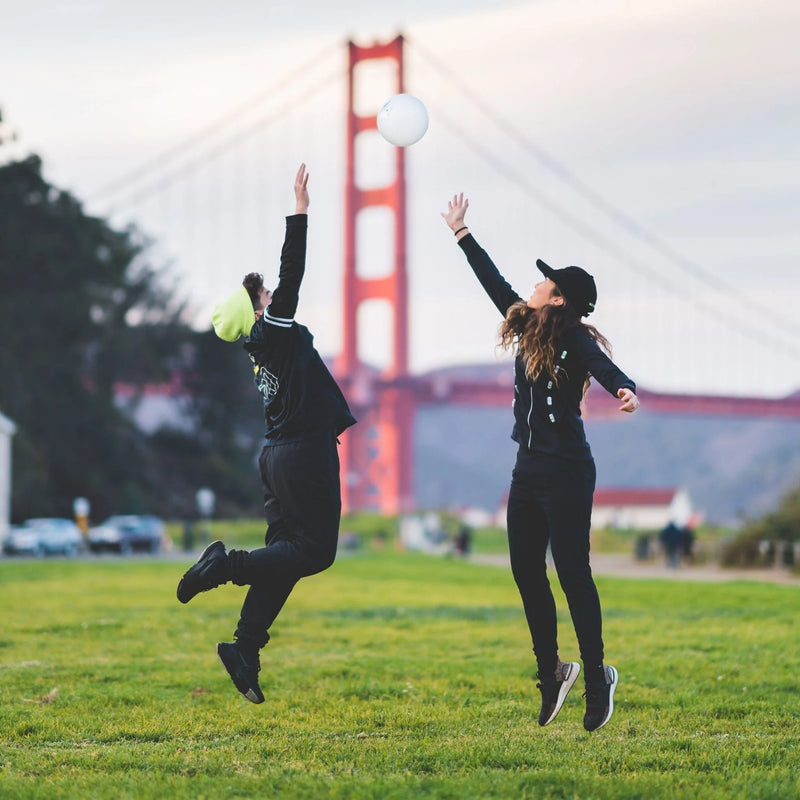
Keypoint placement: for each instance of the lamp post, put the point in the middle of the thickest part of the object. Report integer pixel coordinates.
(81, 508)
(205, 499)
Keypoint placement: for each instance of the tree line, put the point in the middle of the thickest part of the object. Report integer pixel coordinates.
(83, 309)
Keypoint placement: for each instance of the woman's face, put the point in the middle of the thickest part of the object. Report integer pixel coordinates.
(543, 295)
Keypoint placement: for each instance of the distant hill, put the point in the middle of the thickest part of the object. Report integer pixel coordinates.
(733, 468)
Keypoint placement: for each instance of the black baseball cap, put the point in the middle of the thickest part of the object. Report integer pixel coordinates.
(576, 284)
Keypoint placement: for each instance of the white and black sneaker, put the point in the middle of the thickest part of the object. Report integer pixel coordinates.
(600, 700)
(555, 690)
(243, 669)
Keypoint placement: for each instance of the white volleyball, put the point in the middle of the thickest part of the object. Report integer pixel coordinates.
(403, 120)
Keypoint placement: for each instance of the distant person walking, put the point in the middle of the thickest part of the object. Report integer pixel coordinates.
(550, 499)
(672, 538)
(305, 411)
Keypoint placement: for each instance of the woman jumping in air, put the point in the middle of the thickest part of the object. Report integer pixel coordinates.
(550, 499)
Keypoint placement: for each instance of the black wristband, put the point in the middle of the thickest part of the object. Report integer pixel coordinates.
(455, 233)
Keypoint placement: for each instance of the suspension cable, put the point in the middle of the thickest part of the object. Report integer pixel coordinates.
(631, 227)
(159, 161)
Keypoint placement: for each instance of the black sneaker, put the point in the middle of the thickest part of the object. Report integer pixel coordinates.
(210, 571)
(555, 690)
(243, 670)
(600, 701)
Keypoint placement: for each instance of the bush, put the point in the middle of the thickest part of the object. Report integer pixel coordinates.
(773, 538)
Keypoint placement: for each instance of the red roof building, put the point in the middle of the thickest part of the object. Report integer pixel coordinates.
(640, 508)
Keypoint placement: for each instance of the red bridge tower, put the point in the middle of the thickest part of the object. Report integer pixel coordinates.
(376, 453)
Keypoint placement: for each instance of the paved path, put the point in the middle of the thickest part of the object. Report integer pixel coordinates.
(625, 566)
(615, 564)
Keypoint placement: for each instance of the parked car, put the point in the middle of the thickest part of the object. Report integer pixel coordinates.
(44, 536)
(22, 541)
(126, 533)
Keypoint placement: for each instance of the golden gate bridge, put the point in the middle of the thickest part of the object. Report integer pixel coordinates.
(377, 455)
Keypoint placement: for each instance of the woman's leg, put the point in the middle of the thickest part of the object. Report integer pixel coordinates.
(527, 543)
(569, 513)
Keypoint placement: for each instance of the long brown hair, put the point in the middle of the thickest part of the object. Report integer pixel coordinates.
(535, 335)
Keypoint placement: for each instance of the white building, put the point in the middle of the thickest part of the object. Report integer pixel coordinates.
(633, 508)
(640, 509)
(7, 430)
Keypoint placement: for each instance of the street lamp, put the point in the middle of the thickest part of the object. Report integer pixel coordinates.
(81, 508)
(205, 499)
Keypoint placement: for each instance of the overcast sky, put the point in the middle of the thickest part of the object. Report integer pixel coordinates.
(672, 121)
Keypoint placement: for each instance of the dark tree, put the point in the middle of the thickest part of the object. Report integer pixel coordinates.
(70, 286)
(82, 311)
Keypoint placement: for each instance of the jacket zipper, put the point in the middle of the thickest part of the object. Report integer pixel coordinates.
(530, 429)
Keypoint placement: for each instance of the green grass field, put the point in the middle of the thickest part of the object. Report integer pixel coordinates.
(390, 676)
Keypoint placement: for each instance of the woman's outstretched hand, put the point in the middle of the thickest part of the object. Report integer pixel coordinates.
(301, 190)
(454, 216)
(630, 402)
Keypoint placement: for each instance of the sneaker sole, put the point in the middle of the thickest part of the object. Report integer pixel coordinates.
(246, 692)
(199, 558)
(614, 681)
(566, 685)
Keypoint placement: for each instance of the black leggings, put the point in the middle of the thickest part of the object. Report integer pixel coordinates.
(550, 501)
(302, 503)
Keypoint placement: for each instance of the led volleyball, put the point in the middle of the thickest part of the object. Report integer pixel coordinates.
(403, 120)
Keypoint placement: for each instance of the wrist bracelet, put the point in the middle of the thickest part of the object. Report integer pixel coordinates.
(455, 233)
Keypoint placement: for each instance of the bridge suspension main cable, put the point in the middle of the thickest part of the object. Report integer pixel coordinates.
(788, 330)
(205, 157)
(122, 186)
(738, 324)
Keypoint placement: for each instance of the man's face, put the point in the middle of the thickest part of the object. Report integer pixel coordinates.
(264, 299)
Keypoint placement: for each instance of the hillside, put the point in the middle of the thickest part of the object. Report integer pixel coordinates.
(732, 467)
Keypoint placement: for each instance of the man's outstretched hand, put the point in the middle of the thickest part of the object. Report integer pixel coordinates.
(301, 190)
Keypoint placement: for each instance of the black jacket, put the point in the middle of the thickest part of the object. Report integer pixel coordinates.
(301, 398)
(547, 413)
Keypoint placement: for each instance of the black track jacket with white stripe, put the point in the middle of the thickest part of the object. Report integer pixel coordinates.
(301, 398)
(547, 412)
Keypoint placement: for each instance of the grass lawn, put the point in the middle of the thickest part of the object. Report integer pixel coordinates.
(390, 676)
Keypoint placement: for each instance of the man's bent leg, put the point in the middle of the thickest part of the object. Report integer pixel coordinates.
(301, 482)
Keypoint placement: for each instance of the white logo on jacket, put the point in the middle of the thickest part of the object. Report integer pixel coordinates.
(266, 383)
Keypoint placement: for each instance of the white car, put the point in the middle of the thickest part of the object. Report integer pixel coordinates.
(44, 536)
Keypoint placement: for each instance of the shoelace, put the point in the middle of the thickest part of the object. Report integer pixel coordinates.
(596, 695)
(551, 688)
(250, 665)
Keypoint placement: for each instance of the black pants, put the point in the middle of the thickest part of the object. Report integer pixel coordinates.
(550, 501)
(303, 506)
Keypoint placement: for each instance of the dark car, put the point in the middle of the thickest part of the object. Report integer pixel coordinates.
(44, 536)
(126, 533)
